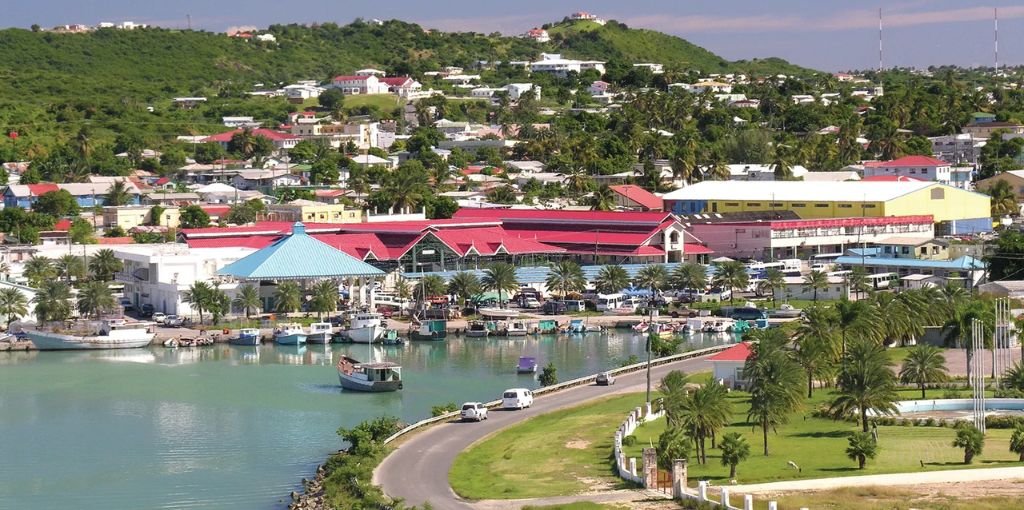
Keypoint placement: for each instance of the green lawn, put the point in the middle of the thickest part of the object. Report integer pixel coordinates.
(871, 498)
(577, 506)
(818, 446)
(385, 102)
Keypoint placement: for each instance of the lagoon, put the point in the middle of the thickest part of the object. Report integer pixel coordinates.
(230, 427)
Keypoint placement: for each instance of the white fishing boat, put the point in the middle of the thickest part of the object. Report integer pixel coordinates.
(104, 334)
(247, 336)
(366, 328)
(515, 328)
(375, 376)
(477, 329)
(290, 334)
(718, 326)
(320, 333)
(499, 313)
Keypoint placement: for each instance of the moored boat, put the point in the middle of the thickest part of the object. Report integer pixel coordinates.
(290, 334)
(247, 336)
(105, 334)
(499, 313)
(320, 333)
(436, 329)
(515, 328)
(576, 327)
(366, 328)
(375, 377)
(526, 365)
(477, 329)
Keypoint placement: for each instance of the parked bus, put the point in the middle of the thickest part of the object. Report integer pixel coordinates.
(879, 281)
(824, 258)
(606, 302)
(789, 267)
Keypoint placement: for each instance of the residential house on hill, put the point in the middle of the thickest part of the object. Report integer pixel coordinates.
(985, 129)
(923, 168)
(281, 141)
(635, 198)
(86, 194)
(359, 84)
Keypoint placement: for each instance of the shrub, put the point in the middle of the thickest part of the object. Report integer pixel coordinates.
(951, 394)
(930, 422)
(629, 441)
(905, 423)
(1003, 422)
(548, 376)
(443, 409)
(943, 423)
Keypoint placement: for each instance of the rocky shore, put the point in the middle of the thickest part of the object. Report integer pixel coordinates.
(312, 495)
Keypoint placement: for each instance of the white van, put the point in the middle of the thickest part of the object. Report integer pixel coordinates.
(607, 302)
(575, 305)
(516, 398)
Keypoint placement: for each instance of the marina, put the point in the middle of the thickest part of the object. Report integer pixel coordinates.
(235, 427)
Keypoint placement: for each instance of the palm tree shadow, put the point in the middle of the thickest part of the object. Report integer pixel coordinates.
(830, 434)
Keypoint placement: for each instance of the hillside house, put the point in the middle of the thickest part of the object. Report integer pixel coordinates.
(922, 168)
(359, 84)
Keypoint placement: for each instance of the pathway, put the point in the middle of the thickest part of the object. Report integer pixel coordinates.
(929, 477)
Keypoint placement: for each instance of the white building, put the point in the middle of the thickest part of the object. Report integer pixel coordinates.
(554, 63)
(837, 288)
(961, 149)
(727, 366)
(537, 34)
(586, 16)
(359, 84)
(239, 122)
(516, 90)
(654, 68)
(752, 172)
(921, 168)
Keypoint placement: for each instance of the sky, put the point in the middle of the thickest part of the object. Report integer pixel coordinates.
(830, 35)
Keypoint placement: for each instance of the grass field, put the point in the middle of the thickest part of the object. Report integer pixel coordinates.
(871, 498)
(567, 452)
(818, 446)
(386, 102)
(577, 506)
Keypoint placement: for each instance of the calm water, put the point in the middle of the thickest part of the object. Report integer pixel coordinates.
(229, 427)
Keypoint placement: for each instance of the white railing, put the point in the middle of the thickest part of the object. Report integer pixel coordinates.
(567, 384)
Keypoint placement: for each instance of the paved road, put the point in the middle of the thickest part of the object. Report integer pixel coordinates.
(927, 477)
(417, 471)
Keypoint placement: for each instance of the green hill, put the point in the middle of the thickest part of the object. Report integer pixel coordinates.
(615, 41)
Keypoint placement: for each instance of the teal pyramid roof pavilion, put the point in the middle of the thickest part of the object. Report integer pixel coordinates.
(298, 257)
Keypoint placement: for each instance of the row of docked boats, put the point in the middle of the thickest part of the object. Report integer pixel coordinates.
(364, 328)
(697, 325)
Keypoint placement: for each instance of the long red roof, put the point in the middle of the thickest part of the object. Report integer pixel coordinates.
(274, 136)
(907, 161)
(639, 195)
(563, 216)
(738, 352)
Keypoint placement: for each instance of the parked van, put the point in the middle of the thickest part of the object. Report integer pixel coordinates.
(748, 314)
(575, 305)
(516, 398)
(606, 302)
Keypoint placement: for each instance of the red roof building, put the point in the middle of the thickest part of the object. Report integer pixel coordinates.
(727, 366)
(635, 198)
(889, 178)
(738, 352)
(279, 139)
(921, 168)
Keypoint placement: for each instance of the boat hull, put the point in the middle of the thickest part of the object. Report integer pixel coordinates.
(47, 341)
(432, 336)
(477, 334)
(354, 384)
(367, 335)
(291, 339)
(319, 338)
(245, 340)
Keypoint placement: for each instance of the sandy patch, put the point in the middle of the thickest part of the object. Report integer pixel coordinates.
(578, 444)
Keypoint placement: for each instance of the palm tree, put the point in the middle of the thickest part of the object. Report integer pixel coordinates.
(814, 352)
(464, 285)
(702, 413)
(248, 299)
(652, 277)
(500, 277)
(774, 380)
(325, 298)
(39, 270)
(957, 329)
(924, 364)
(104, 264)
(429, 286)
(95, 298)
(200, 296)
(861, 448)
(1017, 441)
(603, 199)
(288, 297)
(673, 387)
(70, 266)
(970, 439)
(857, 281)
(118, 194)
(774, 279)
(866, 383)
(13, 304)
(815, 281)
(735, 449)
(731, 275)
(611, 279)
(1004, 200)
(53, 302)
(855, 318)
(565, 277)
(689, 275)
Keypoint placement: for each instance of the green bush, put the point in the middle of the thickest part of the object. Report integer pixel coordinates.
(629, 441)
(943, 423)
(443, 409)
(951, 394)
(905, 423)
(1003, 422)
(930, 422)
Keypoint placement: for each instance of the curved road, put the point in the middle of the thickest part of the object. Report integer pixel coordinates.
(417, 471)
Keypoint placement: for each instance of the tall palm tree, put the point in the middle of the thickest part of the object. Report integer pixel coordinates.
(464, 285)
(200, 295)
(429, 286)
(689, 275)
(735, 449)
(774, 279)
(957, 329)
(652, 277)
(566, 277)
(674, 390)
(288, 297)
(500, 277)
(856, 318)
(1004, 200)
(70, 267)
(857, 281)
(815, 340)
(104, 265)
(815, 281)
(94, 299)
(13, 304)
(611, 279)
(53, 302)
(924, 364)
(774, 380)
(603, 199)
(39, 270)
(866, 383)
(702, 413)
(731, 275)
(325, 297)
(118, 194)
(248, 299)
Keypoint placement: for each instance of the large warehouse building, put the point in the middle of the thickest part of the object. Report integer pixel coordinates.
(954, 210)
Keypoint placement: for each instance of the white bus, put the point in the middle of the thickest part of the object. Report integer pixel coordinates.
(880, 281)
(606, 302)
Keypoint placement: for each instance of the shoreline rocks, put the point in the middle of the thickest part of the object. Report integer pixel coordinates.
(312, 495)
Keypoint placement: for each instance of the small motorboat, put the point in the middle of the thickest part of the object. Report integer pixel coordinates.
(527, 365)
(320, 333)
(498, 313)
(786, 311)
(718, 326)
(376, 377)
(246, 336)
(576, 327)
(391, 338)
(290, 334)
(477, 329)
(593, 328)
(515, 328)
(641, 327)
(436, 329)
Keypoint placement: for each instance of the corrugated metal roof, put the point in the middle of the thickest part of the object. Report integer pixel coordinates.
(961, 264)
(799, 191)
(298, 257)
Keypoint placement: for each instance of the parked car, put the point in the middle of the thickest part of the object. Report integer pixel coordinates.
(530, 303)
(474, 411)
(159, 318)
(554, 308)
(748, 314)
(516, 398)
(173, 321)
(604, 379)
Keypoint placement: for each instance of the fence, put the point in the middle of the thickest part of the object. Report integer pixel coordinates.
(561, 386)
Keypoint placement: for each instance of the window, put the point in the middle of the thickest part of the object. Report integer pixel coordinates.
(820, 205)
(779, 204)
(753, 204)
(869, 206)
(732, 204)
(913, 171)
(905, 250)
(797, 204)
(845, 206)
